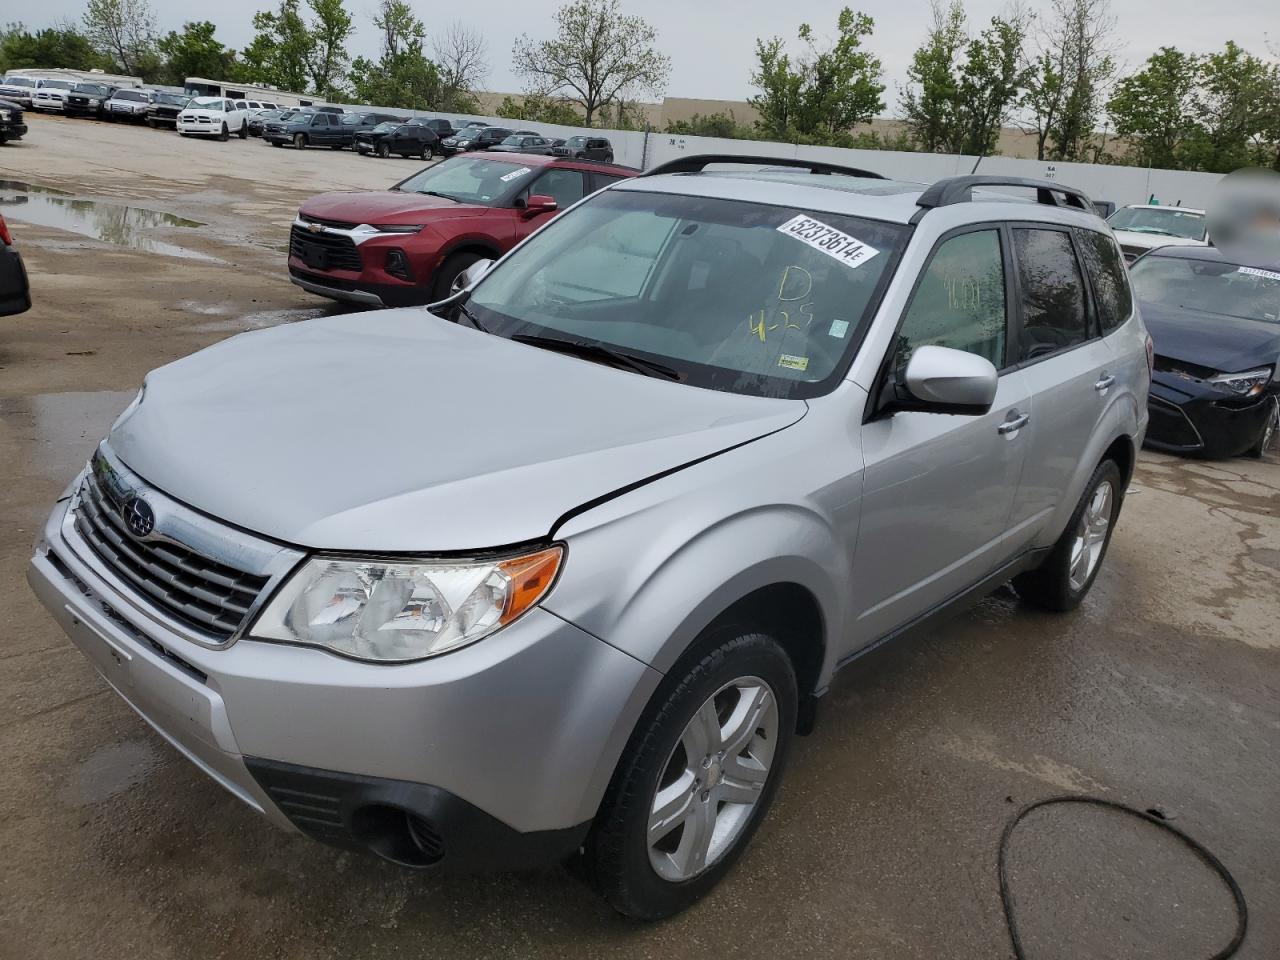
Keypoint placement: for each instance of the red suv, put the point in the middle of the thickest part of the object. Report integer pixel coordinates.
(408, 244)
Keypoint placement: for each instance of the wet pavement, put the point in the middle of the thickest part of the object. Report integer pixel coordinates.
(1162, 691)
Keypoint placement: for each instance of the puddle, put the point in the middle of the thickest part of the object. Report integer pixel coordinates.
(109, 771)
(112, 223)
(56, 432)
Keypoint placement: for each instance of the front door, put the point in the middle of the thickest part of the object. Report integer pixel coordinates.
(938, 487)
(566, 187)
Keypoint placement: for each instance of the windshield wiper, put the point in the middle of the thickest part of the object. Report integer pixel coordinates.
(435, 193)
(475, 321)
(599, 352)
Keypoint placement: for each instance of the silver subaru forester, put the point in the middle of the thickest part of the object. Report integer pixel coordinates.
(559, 567)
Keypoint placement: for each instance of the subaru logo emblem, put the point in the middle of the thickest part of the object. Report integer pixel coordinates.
(138, 517)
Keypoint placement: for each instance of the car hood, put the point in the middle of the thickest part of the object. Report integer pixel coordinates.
(398, 431)
(383, 206)
(1223, 343)
(1153, 240)
(201, 112)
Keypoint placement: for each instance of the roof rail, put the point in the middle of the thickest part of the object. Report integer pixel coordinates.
(951, 190)
(696, 164)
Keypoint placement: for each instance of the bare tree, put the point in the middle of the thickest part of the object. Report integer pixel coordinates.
(123, 30)
(598, 57)
(462, 56)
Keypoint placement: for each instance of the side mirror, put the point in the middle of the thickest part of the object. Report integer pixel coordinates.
(942, 380)
(470, 275)
(539, 203)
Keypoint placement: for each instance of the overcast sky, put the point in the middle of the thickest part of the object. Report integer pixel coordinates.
(711, 43)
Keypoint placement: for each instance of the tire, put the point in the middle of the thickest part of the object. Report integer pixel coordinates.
(225, 135)
(151, 123)
(383, 151)
(276, 143)
(442, 284)
(608, 158)
(299, 141)
(428, 152)
(1052, 585)
(736, 672)
(244, 131)
(1270, 430)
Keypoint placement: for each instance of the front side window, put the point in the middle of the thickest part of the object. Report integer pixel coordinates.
(1208, 287)
(1053, 305)
(960, 301)
(732, 295)
(564, 186)
(1105, 264)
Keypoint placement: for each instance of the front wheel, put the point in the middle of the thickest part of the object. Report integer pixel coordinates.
(428, 152)
(225, 134)
(697, 776)
(1062, 581)
(383, 151)
(1270, 429)
(449, 274)
(299, 141)
(244, 131)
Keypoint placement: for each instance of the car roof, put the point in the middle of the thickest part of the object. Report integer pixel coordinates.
(889, 200)
(1184, 251)
(543, 160)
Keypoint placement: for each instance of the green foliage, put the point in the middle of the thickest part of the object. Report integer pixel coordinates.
(822, 93)
(327, 59)
(1154, 110)
(598, 58)
(58, 46)
(282, 48)
(194, 52)
(712, 125)
(123, 33)
(403, 76)
(536, 109)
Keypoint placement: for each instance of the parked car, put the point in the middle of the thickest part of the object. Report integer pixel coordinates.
(473, 138)
(256, 106)
(164, 109)
(442, 128)
(587, 148)
(258, 119)
(325, 108)
(1216, 326)
(354, 124)
(367, 140)
(12, 126)
(15, 292)
(409, 244)
(412, 139)
(18, 90)
(51, 95)
(319, 129)
(129, 105)
(524, 143)
(1141, 227)
(686, 452)
(213, 117)
(87, 100)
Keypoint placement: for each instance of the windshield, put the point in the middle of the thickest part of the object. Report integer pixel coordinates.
(385, 127)
(213, 103)
(735, 296)
(470, 180)
(130, 95)
(1164, 221)
(576, 142)
(19, 82)
(91, 88)
(173, 99)
(1208, 286)
(57, 84)
(512, 141)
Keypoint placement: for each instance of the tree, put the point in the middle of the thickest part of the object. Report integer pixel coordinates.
(402, 76)
(599, 56)
(121, 30)
(281, 50)
(1154, 109)
(327, 59)
(194, 52)
(931, 98)
(991, 83)
(1235, 107)
(1068, 77)
(57, 46)
(822, 93)
(461, 55)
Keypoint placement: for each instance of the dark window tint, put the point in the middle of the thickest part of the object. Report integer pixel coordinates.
(564, 185)
(1107, 274)
(1053, 310)
(960, 301)
(602, 180)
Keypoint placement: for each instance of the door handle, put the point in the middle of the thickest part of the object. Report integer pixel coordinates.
(1014, 423)
(1104, 382)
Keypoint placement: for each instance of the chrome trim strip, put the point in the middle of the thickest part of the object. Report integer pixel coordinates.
(351, 296)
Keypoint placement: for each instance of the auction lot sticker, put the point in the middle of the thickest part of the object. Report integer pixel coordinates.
(513, 174)
(850, 251)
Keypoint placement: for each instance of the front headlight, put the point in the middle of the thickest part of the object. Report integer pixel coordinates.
(1247, 384)
(5, 115)
(393, 612)
(94, 103)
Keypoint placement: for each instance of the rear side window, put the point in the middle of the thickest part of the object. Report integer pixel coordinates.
(1110, 282)
(1053, 304)
(960, 301)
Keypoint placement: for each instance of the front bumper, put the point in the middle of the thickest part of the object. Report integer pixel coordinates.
(13, 131)
(513, 738)
(1193, 418)
(196, 128)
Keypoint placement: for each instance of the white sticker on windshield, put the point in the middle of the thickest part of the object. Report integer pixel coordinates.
(850, 251)
(1255, 272)
(513, 174)
(839, 328)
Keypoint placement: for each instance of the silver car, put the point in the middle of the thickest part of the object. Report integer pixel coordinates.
(560, 567)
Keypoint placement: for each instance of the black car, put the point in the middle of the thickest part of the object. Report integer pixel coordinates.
(11, 125)
(87, 100)
(15, 294)
(1216, 328)
(586, 148)
(413, 138)
(526, 143)
(165, 108)
(441, 127)
(354, 124)
(474, 138)
(319, 129)
(261, 118)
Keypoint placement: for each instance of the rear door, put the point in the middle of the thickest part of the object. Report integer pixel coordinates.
(938, 487)
(1067, 365)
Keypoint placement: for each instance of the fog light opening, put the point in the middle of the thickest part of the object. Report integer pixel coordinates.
(397, 835)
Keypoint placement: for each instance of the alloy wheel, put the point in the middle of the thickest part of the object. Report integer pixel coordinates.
(1091, 536)
(713, 779)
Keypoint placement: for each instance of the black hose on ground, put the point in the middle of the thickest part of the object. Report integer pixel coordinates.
(1006, 898)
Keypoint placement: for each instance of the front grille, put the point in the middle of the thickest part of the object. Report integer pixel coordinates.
(324, 251)
(192, 589)
(336, 224)
(1169, 425)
